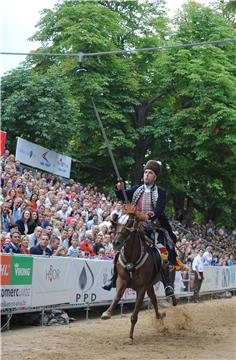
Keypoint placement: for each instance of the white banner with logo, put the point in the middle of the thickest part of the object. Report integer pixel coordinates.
(219, 278)
(50, 281)
(37, 156)
(87, 279)
(15, 296)
(63, 280)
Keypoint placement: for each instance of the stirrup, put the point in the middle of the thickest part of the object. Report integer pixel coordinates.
(108, 287)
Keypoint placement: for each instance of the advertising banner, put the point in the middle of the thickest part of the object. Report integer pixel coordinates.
(87, 279)
(16, 281)
(37, 156)
(51, 278)
(219, 278)
(3, 136)
(28, 281)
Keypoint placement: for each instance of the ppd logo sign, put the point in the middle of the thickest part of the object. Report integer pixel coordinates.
(86, 282)
(52, 274)
(86, 278)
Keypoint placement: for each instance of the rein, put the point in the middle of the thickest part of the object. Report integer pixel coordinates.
(132, 266)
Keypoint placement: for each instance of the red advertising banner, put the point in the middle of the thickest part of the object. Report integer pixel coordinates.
(5, 266)
(3, 136)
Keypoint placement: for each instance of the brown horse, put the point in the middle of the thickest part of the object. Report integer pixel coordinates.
(135, 265)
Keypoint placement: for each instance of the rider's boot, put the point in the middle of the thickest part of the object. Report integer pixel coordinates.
(169, 290)
(112, 282)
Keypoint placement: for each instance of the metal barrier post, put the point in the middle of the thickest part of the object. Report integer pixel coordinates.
(8, 321)
(121, 308)
(42, 317)
(87, 311)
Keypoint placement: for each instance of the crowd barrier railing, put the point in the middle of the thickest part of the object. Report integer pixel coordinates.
(32, 283)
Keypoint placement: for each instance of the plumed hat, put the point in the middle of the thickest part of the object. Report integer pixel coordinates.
(153, 165)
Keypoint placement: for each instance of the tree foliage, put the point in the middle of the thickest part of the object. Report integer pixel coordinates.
(174, 105)
(38, 108)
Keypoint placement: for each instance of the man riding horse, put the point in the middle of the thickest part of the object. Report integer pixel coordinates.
(150, 199)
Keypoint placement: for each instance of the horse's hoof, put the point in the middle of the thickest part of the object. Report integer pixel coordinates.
(161, 316)
(106, 315)
(128, 341)
(174, 301)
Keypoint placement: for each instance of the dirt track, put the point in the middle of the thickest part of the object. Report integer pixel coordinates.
(192, 331)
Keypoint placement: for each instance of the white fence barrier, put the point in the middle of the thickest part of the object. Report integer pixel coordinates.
(29, 282)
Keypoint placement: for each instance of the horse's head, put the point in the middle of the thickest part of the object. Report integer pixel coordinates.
(125, 225)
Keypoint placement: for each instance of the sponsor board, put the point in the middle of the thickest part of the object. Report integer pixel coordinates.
(5, 270)
(51, 279)
(59, 280)
(21, 270)
(15, 296)
(87, 279)
(16, 281)
(37, 156)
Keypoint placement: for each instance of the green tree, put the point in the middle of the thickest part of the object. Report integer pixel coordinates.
(38, 108)
(201, 134)
(124, 87)
(176, 105)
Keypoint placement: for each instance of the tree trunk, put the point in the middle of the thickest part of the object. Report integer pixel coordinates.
(142, 144)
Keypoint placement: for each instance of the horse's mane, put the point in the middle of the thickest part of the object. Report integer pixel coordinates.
(132, 210)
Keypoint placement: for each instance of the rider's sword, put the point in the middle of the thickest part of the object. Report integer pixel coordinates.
(109, 148)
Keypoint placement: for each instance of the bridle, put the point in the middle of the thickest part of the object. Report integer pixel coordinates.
(131, 227)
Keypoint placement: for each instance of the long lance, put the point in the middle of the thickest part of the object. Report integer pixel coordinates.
(109, 148)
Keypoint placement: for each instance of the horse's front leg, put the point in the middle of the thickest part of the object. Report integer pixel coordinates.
(152, 295)
(120, 288)
(134, 317)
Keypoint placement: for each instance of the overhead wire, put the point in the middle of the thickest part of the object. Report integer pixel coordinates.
(120, 52)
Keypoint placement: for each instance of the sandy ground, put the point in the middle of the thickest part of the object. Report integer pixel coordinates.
(190, 331)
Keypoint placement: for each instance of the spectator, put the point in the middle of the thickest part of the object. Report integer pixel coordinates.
(98, 244)
(19, 168)
(54, 244)
(17, 209)
(73, 250)
(2, 238)
(32, 203)
(14, 245)
(93, 221)
(64, 212)
(64, 239)
(35, 236)
(24, 245)
(198, 268)
(207, 256)
(58, 226)
(11, 194)
(107, 242)
(26, 224)
(48, 231)
(42, 247)
(6, 218)
(101, 254)
(87, 246)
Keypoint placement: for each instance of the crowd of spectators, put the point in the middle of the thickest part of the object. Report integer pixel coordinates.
(42, 215)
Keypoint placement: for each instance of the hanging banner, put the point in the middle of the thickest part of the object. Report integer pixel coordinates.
(3, 136)
(37, 156)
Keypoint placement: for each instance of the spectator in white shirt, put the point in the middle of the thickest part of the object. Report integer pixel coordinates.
(198, 268)
(64, 212)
